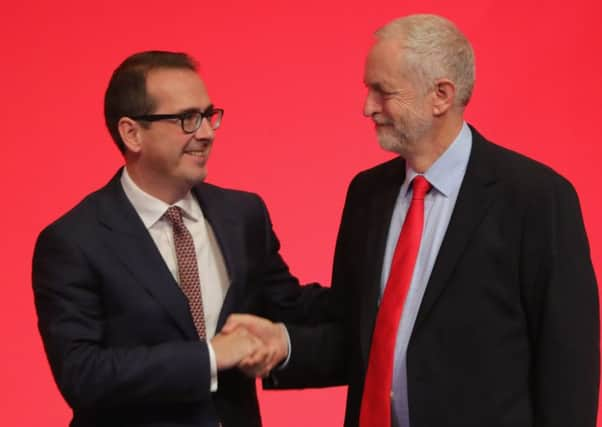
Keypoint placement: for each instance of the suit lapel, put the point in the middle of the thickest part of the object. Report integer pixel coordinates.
(130, 241)
(222, 215)
(474, 199)
(379, 213)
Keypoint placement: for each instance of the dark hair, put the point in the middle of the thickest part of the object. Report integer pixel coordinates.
(126, 94)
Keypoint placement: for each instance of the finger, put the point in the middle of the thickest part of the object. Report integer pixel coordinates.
(246, 363)
(265, 373)
(258, 360)
(251, 368)
(277, 355)
(250, 361)
(266, 370)
(242, 319)
(250, 372)
(254, 351)
(274, 352)
(257, 325)
(238, 319)
(261, 370)
(258, 357)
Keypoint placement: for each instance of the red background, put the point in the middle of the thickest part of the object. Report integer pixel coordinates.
(290, 79)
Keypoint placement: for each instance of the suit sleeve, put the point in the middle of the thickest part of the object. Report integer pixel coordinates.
(280, 296)
(89, 373)
(319, 343)
(562, 310)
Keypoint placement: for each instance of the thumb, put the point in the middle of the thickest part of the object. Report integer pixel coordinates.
(233, 322)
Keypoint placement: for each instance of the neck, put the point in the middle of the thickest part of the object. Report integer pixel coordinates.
(156, 186)
(433, 144)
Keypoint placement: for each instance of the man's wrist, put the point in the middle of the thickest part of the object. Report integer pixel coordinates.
(212, 368)
(286, 360)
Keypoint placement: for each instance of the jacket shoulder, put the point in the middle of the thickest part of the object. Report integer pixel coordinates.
(79, 217)
(391, 170)
(227, 195)
(516, 169)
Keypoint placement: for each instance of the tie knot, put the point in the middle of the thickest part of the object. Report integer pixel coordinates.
(174, 215)
(420, 187)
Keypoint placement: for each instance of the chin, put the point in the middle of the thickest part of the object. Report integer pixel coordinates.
(201, 176)
(389, 143)
(197, 177)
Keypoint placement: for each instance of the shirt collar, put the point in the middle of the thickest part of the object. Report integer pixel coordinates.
(150, 209)
(446, 174)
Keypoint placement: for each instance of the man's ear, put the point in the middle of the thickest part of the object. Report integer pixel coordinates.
(444, 94)
(129, 130)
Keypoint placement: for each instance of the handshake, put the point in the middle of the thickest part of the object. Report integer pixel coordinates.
(253, 344)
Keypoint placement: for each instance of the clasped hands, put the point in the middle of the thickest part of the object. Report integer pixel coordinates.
(253, 344)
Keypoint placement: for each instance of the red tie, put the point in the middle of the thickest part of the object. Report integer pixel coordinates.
(188, 269)
(376, 400)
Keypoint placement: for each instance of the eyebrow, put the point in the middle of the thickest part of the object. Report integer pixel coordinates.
(379, 87)
(195, 110)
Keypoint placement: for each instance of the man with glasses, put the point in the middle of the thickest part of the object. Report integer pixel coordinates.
(133, 284)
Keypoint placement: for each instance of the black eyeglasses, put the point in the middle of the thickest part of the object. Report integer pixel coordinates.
(189, 120)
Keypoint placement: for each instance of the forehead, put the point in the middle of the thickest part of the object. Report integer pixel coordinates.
(176, 90)
(384, 63)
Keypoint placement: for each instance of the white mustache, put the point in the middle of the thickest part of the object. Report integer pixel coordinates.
(381, 123)
(380, 120)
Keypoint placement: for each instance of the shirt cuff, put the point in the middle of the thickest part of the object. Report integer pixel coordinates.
(213, 368)
(288, 355)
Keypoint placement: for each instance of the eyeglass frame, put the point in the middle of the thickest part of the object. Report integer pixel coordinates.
(206, 114)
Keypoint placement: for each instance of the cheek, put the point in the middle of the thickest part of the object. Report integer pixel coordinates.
(397, 106)
(175, 147)
(167, 152)
(394, 112)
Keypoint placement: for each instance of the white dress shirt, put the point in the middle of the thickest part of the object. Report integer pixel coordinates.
(212, 270)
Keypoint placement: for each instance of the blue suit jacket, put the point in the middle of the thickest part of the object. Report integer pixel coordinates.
(117, 329)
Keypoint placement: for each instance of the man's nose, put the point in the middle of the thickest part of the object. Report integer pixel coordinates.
(205, 131)
(372, 104)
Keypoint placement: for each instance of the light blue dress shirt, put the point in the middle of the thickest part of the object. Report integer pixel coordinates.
(445, 176)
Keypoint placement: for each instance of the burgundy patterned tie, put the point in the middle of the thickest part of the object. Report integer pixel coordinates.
(376, 400)
(188, 269)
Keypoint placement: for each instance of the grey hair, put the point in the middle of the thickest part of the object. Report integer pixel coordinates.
(434, 48)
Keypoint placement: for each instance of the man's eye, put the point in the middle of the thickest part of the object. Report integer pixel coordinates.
(188, 116)
(384, 93)
(387, 93)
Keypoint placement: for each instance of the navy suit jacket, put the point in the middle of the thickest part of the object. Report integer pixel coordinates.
(117, 329)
